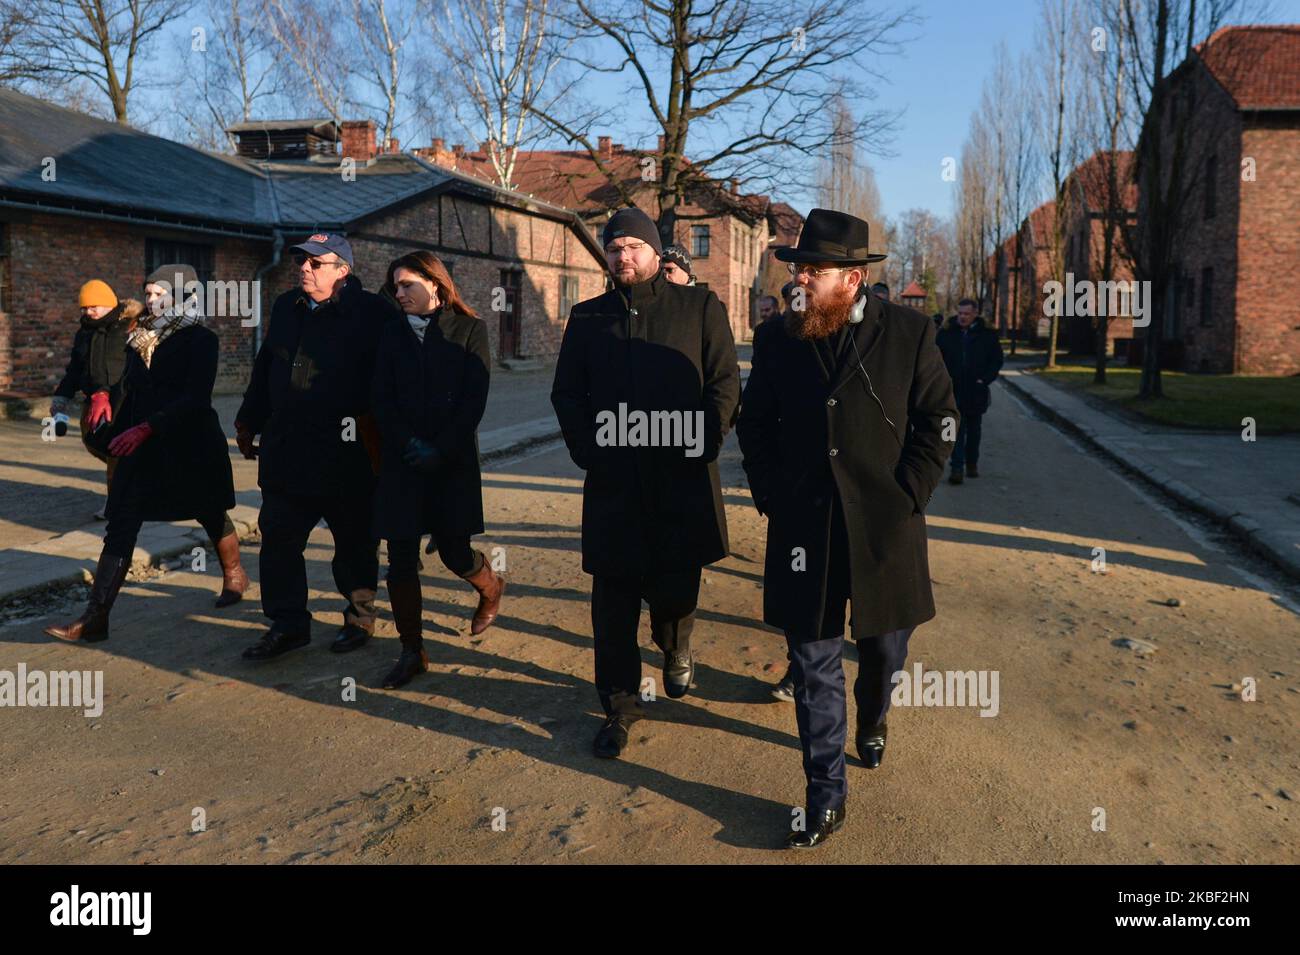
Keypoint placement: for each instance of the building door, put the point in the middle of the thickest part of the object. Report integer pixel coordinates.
(511, 323)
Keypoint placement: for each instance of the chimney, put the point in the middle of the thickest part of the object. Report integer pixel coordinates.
(359, 139)
(606, 147)
(458, 150)
(734, 190)
(393, 146)
(439, 145)
(661, 144)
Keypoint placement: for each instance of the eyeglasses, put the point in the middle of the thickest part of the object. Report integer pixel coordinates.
(633, 247)
(800, 268)
(315, 264)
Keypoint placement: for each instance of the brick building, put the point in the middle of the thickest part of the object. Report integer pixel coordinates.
(1034, 243)
(727, 233)
(1100, 187)
(82, 198)
(1234, 306)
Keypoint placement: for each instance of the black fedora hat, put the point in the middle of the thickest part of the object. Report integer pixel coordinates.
(830, 236)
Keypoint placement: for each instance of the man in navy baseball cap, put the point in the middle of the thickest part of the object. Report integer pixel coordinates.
(323, 243)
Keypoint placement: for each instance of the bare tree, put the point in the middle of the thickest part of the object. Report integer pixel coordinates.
(1174, 144)
(308, 34)
(382, 29)
(100, 42)
(502, 53)
(748, 85)
(232, 75)
(847, 184)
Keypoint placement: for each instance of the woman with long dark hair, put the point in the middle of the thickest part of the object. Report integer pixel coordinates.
(430, 389)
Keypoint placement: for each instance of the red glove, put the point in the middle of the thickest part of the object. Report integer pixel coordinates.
(100, 411)
(129, 441)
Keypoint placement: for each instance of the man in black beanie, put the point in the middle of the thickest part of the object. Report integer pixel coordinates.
(646, 388)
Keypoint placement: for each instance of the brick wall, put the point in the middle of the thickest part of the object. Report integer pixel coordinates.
(1268, 243)
(51, 256)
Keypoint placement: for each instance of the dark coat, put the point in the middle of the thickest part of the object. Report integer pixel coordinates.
(98, 358)
(805, 435)
(973, 361)
(436, 391)
(312, 373)
(184, 466)
(656, 347)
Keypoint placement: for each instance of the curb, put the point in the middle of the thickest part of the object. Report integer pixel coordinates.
(1283, 554)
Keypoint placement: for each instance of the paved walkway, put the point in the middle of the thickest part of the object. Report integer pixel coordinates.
(1251, 487)
(49, 491)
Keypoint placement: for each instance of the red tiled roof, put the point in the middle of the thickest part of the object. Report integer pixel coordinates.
(1258, 65)
(914, 290)
(571, 179)
(1041, 222)
(1093, 175)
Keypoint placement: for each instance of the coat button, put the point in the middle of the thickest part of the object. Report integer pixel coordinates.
(831, 402)
(834, 451)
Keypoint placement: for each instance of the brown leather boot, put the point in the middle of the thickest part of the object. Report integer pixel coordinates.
(490, 586)
(92, 625)
(233, 579)
(408, 612)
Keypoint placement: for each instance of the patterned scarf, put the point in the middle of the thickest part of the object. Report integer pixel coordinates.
(153, 330)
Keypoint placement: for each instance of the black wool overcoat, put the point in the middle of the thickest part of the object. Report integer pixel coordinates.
(806, 435)
(651, 347)
(435, 390)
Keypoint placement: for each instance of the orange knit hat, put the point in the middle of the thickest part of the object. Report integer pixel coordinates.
(96, 292)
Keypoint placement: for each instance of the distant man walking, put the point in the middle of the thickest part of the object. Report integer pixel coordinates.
(973, 355)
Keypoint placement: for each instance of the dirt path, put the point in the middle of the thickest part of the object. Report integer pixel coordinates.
(286, 770)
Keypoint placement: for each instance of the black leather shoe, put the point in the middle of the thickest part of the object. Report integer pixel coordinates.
(820, 829)
(408, 666)
(955, 477)
(972, 471)
(871, 744)
(784, 691)
(612, 738)
(276, 643)
(679, 670)
(349, 638)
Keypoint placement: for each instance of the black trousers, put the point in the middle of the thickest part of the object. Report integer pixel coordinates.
(615, 616)
(816, 667)
(125, 521)
(967, 449)
(404, 556)
(285, 521)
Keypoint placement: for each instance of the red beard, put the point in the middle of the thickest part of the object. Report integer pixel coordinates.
(823, 316)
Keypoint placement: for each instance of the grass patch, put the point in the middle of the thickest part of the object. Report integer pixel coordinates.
(1195, 401)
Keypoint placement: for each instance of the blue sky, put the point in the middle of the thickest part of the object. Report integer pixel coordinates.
(938, 81)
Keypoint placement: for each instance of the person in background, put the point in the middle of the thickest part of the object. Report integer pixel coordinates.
(938, 320)
(95, 369)
(881, 291)
(768, 309)
(973, 355)
(430, 390)
(173, 460)
(676, 265)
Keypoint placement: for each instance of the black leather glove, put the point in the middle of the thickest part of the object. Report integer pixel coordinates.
(421, 455)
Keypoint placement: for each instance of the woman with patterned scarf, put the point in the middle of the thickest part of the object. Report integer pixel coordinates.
(174, 461)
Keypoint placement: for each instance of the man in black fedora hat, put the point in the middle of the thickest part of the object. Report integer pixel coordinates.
(845, 424)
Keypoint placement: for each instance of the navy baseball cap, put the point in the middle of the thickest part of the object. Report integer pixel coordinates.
(324, 242)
